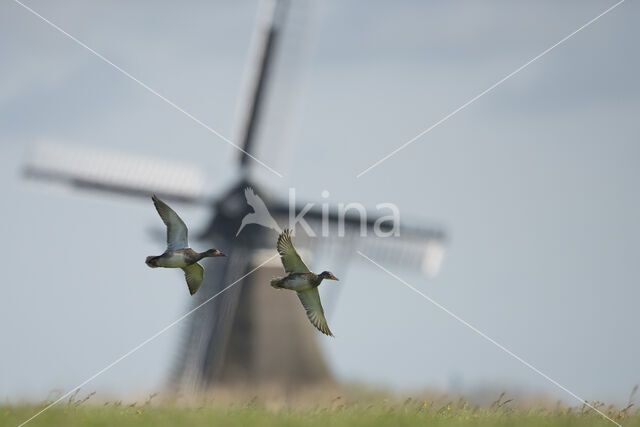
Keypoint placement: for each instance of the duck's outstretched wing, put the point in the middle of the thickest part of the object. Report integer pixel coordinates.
(289, 256)
(194, 274)
(177, 233)
(310, 299)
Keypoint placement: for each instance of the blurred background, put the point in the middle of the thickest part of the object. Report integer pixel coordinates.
(535, 184)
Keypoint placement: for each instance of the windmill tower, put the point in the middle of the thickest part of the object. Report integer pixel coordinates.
(250, 333)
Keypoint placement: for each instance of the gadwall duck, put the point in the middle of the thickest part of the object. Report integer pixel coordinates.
(303, 281)
(178, 253)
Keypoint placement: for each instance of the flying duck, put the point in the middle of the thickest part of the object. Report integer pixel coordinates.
(303, 281)
(178, 253)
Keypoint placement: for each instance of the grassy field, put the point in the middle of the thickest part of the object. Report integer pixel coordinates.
(411, 413)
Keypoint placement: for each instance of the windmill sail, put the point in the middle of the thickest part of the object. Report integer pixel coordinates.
(418, 248)
(109, 170)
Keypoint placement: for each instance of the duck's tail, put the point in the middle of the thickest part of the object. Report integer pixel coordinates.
(152, 261)
(276, 282)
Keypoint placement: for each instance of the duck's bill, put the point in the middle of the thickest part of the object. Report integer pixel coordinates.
(333, 278)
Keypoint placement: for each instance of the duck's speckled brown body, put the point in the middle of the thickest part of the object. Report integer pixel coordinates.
(180, 258)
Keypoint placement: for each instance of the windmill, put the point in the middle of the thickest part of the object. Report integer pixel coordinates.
(249, 333)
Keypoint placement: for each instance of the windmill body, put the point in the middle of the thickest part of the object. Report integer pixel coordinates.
(250, 334)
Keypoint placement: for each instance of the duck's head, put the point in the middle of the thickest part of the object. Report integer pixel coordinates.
(328, 275)
(213, 253)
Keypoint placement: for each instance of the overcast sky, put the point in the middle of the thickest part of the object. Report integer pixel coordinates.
(536, 184)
